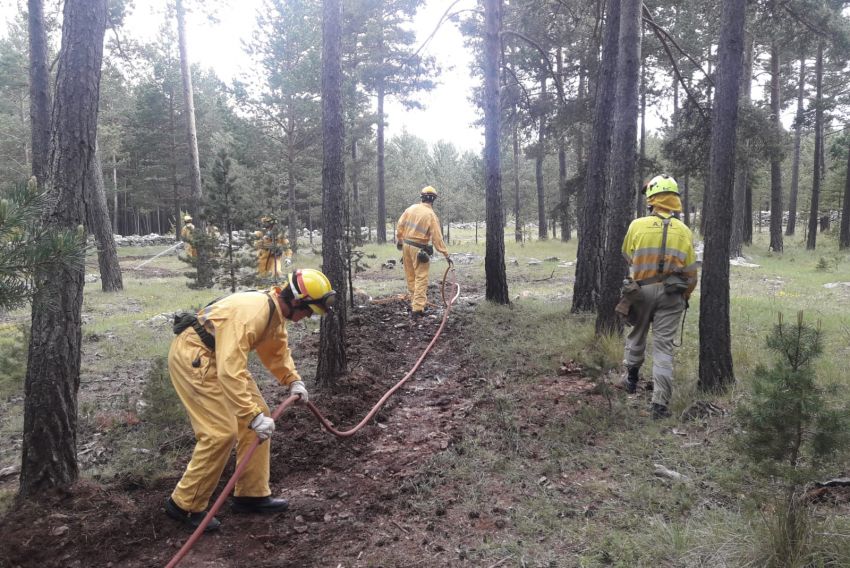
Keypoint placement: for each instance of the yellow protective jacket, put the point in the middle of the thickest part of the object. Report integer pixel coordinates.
(241, 324)
(420, 224)
(642, 248)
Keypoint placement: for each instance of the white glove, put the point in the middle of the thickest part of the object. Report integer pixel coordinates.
(298, 387)
(263, 426)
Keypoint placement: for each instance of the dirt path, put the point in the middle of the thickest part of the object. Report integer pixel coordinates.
(343, 493)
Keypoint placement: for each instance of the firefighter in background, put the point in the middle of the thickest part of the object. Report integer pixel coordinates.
(417, 229)
(272, 249)
(208, 364)
(186, 235)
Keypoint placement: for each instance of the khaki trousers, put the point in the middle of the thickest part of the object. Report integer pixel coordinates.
(662, 312)
(416, 274)
(216, 428)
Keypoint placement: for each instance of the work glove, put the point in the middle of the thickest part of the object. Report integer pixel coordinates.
(399, 245)
(298, 387)
(263, 426)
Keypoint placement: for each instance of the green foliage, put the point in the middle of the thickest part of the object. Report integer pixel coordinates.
(13, 360)
(28, 250)
(788, 425)
(823, 265)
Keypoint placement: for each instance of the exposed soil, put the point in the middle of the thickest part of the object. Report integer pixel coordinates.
(344, 495)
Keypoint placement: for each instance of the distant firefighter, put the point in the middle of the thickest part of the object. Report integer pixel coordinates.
(186, 234)
(272, 249)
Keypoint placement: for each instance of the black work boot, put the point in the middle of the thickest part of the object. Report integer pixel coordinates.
(191, 520)
(630, 381)
(265, 504)
(660, 412)
(417, 314)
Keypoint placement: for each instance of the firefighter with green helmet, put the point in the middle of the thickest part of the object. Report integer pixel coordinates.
(663, 273)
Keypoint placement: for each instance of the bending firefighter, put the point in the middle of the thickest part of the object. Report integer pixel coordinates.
(417, 228)
(208, 363)
(186, 234)
(660, 251)
(272, 249)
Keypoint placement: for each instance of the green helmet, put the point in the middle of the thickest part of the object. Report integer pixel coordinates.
(661, 184)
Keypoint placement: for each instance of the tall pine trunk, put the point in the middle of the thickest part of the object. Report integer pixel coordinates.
(619, 195)
(542, 232)
(494, 256)
(715, 342)
(566, 229)
(332, 356)
(817, 166)
(175, 186)
(381, 225)
(290, 180)
(742, 162)
(844, 234)
(776, 243)
(49, 455)
(97, 215)
(798, 135)
(517, 201)
(591, 243)
(39, 91)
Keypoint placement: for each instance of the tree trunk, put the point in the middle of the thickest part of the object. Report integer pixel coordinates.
(640, 200)
(742, 162)
(494, 257)
(590, 250)
(175, 186)
(39, 92)
(798, 133)
(619, 194)
(290, 182)
(204, 270)
(49, 455)
(715, 346)
(355, 194)
(517, 202)
(332, 356)
(381, 225)
(97, 215)
(686, 205)
(776, 244)
(542, 232)
(566, 229)
(817, 170)
(844, 235)
(115, 193)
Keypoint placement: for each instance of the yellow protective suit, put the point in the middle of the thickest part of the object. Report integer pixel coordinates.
(220, 395)
(186, 237)
(268, 262)
(419, 224)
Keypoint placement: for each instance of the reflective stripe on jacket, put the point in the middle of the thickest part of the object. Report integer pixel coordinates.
(642, 249)
(240, 323)
(419, 223)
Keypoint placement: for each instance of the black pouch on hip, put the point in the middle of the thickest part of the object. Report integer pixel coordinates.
(675, 284)
(422, 256)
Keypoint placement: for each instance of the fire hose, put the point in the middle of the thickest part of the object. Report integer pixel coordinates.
(289, 401)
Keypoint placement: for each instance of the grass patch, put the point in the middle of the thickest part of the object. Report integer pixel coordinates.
(14, 341)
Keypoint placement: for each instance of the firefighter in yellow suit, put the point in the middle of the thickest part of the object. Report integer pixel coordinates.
(272, 249)
(660, 251)
(208, 363)
(186, 235)
(417, 229)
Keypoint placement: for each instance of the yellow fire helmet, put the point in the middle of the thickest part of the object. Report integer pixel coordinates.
(312, 287)
(268, 220)
(428, 190)
(187, 218)
(661, 184)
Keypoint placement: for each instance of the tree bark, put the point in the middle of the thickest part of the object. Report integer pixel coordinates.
(715, 355)
(776, 243)
(49, 456)
(381, 225)
(517, 201)
(844, 234)
(542, 229)
(566, 229)
(115, 193)
(798, 134)
(39, 92)
(619, 195)
(640, 200)
(290, 181)
(817, 169)
(97, 215)
(332, 356)
(590, 250)
(494, 257)
(175, 186)
(742, 162)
